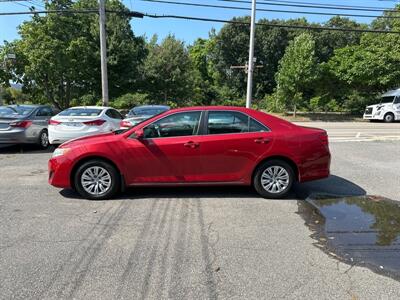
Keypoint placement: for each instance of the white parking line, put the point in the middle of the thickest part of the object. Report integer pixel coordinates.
(365, 139)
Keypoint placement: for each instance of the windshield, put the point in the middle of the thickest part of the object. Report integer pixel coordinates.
(387, 99)
(15, 111)
(148, 111)
(80, 112)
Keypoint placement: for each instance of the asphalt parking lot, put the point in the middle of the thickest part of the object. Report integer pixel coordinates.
(186, 243)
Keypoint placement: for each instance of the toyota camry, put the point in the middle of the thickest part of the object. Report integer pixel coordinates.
(212, 145)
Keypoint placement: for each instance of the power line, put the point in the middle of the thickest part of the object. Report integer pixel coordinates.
(52, 11)
(271, 10)
(136, 14)
(326, 7)
(18, 2)
(303, 27)
(332, 5)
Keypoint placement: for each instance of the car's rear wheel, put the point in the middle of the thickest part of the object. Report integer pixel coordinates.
(388, 118)
(97, 180)
(273, 179)
(43, 140)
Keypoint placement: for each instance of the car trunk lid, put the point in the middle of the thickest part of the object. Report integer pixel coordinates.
(73, 123)
(5, 123)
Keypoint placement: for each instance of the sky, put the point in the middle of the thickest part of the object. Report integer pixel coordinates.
(186, 30)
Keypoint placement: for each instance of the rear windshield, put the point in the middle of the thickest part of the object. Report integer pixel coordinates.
(148, 111)
(15, 111)
(7, 111)
(80, 112)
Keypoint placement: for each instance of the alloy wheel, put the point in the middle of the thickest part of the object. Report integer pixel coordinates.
(96, 180)
(275, 179)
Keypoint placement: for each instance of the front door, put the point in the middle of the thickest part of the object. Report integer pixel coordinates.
(169, 151)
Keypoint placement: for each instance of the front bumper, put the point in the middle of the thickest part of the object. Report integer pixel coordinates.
(372, 117)
(60, 172)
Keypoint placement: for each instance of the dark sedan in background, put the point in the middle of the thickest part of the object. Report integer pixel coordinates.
(25, 124)
(141, 113)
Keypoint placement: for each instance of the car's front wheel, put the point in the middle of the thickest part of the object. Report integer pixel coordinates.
(273, 179)
(389, 118)
(97, 180)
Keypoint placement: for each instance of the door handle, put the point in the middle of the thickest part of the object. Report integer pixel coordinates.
(191, 145)
(262, 141)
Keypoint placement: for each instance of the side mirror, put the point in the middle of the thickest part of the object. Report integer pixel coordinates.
(139, 134)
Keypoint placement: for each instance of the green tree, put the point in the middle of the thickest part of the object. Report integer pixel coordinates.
(59, 59)
(168, 70)
(327, 41)
(368, 68)
(297, 70)
(205, 90)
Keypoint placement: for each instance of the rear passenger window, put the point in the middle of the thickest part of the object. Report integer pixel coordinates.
(112, 113)
(256, 126)
(44, 112)
(222, 122)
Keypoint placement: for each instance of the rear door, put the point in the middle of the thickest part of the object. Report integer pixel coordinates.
(40, 119)
(169, 151)
(232, 144)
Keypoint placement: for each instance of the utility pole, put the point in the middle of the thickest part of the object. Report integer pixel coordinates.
(103, 51)
(251, 55)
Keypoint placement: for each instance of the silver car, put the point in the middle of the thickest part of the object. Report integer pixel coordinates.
(25, 124)
(141, 113)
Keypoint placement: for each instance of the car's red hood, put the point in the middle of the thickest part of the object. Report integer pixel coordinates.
(104, 137)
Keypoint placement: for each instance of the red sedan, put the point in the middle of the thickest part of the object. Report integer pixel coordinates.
(194, 146)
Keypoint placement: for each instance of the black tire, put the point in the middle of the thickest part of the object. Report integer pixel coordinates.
(43, 139)
(112, 171)
(263, 167)
(388, 118)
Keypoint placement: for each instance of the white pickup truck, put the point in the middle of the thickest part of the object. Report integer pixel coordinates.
(387, 110)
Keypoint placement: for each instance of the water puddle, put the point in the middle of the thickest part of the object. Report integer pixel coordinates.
(362, 231)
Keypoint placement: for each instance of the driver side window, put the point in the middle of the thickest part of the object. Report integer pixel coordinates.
(180, 124)
(397, 100)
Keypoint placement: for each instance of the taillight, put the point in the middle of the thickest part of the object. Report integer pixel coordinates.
(125, 124)
(94, 122)
(54, 122)
(21, 124)
(324, 139)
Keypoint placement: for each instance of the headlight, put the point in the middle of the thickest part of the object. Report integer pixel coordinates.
(60, 151)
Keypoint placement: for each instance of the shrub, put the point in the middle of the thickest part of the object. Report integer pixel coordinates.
(85, 100)
(356, 102)
(129, 101)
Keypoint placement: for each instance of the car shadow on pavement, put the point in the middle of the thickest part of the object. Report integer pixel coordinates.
(334, 185)
(22, 149)
(135, 193)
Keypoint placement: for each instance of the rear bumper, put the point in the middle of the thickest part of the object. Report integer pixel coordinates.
(59, 172)
(315, 169)
(14, 137)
